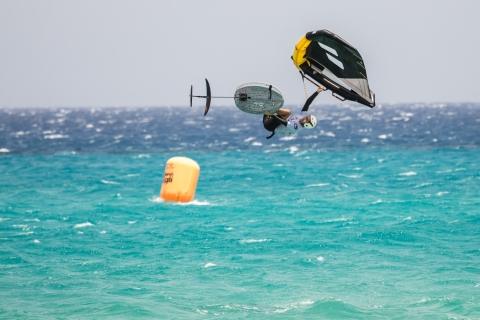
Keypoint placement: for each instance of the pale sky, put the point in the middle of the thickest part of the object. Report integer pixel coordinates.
(100, 53)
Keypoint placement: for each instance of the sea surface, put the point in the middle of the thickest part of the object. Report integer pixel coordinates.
(374, 214)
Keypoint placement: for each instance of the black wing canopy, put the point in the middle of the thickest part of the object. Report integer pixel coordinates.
(334, 63)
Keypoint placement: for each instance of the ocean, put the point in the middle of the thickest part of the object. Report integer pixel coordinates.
(374, 214)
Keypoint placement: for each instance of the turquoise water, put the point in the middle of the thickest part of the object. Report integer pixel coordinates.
(292, 233)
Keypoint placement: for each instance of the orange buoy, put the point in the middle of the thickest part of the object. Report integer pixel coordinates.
(180, 180)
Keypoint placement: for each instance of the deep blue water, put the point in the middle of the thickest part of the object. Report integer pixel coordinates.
(374, 214)
(177, 129)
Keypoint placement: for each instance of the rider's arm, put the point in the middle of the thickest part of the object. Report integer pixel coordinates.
(312, 97)
(281, 116)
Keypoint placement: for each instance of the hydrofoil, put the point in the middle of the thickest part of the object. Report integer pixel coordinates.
(252, 97)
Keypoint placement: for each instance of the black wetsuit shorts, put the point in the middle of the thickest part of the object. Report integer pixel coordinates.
(270, 123)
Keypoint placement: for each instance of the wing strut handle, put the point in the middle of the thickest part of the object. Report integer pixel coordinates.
(338, 97)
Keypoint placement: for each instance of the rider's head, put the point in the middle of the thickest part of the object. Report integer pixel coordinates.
(309, 122)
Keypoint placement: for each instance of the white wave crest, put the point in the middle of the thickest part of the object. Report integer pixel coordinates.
(83, 225)
(295, 305)
(293, 149)
(423, 185)
(337, 220)
(408, 174)
(25, 233)
(254, 240)
(352, 176)
(24, 227)
(157, 200)
(201, 311)
(109, 182)
(209, 265)
(55, 136)
(328, 134)
(191, 203)
(194, 203)
(318, 185)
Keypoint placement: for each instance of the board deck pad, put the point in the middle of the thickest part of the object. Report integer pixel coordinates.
(257, 97)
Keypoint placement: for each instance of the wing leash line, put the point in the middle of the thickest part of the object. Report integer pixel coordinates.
(304, 76)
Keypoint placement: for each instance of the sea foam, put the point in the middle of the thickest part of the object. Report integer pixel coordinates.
(83, 225)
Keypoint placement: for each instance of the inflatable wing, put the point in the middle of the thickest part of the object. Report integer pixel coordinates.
(331, 61)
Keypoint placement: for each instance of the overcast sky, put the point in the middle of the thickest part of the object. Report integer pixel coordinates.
(147, 53)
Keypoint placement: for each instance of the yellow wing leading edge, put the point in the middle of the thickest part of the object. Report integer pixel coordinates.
(298, 56)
